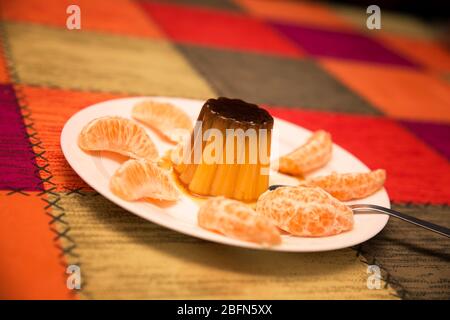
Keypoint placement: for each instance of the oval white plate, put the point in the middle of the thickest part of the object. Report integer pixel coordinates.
(96, 169)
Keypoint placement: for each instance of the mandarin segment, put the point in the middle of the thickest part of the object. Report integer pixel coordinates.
(315, 153)
(138, 179)
(119, 135)
(236, 220)
(349, 186)
(305, 211)
(168, 120)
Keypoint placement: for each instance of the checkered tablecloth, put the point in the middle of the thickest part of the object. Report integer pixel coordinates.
(383, 94)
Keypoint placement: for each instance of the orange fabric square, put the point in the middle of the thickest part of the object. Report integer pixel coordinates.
(30, 267)
(305, 13)
(4, 75)
(399, 92)
(429, 53)
(120, 16)
(50, 109)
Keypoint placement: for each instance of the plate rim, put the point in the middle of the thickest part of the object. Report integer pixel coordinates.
(212, 237)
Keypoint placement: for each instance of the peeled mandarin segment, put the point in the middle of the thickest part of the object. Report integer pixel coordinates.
(117, 135)
(168, 120)
(348, 186)
(305, 211)
(236, 220)
(229, 177)
(315, 153)
(137, 179)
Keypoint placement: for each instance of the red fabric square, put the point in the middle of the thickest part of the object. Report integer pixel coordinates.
(220, 29)
(415, 172)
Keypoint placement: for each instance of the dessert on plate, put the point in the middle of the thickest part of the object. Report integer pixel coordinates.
(165, 118)
(350, 186)
(305, 211)
(138, 179)
(226, 160)
(312, 155)
(117, 134)
(236, 166)
(237, 220)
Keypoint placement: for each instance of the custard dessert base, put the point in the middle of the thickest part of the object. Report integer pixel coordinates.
(239, 172)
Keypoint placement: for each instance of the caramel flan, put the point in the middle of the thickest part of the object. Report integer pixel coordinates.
(228, 151)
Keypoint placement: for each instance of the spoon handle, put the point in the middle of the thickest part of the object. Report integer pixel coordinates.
(418, 222)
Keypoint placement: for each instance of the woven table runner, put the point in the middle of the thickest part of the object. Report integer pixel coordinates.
(383, 94)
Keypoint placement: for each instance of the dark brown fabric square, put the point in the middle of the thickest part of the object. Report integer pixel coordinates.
(417, 261)
(215, 4)
(273, 80)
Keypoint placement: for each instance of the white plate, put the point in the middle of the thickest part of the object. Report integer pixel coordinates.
(97, 168)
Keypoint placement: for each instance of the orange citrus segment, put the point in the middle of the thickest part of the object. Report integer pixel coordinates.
(119, 135)
(315, 153)
(137, 179)
(305, 211)
(170, 121)
(236, 220)
(348, 186)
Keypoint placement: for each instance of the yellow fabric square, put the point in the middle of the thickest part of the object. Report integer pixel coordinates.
(82, 60)
(125, 257)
